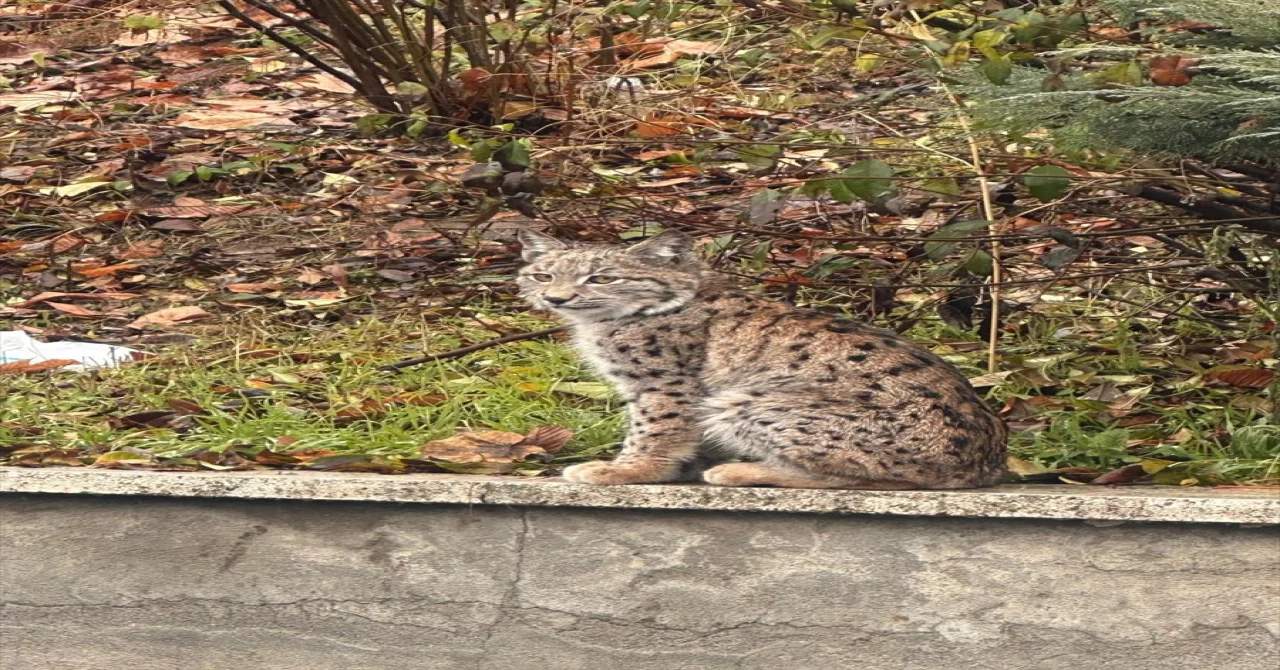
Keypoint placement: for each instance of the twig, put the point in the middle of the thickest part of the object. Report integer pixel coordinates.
(299, 51)
(988, 213)
(458, 353)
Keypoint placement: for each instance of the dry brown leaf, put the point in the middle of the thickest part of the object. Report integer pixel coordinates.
(673, 50)
(22, 102)
(474, 79)
(494, 446)
(265, 287)
(319, 81)
(1172, 70)
(50, 295)
(230, 119)
(310, 276)
(108, 270)
(24, 367)
(658, 126)
(169, 317)
(476, 447)
(143, 249)
(73, 310)
(1249, 378)
(197, 212)
(337, 273)
(550, 438)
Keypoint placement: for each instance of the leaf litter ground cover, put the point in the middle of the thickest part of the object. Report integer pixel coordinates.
(197, 193)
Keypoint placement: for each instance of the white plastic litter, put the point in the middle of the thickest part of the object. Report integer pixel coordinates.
(16, 345)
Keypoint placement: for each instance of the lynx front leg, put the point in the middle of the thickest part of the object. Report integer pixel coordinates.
(661, 441)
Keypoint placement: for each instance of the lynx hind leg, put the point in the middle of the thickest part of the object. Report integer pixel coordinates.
(764, 474)
(778, 431)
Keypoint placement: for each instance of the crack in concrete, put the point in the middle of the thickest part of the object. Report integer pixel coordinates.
(510, 599)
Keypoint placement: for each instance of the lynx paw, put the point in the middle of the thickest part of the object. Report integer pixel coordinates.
(604, 472)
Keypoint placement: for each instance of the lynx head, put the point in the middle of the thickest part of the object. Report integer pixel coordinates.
(602, 282)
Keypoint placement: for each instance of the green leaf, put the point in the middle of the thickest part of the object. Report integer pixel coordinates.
(206, 173)
(481, 152)
(178, 176)
(120, 456)
(839, 191)
(997, 70)
(1047, 182)
(945, 240)
(762, 156)
(816, 186)
(411, 88)
(957, 55)
(638, 9)
(942, 186)
(979, 263)
(867, 62)
(416, 128)
(370, 123)
(514, 155)
(1123, 74)
(868, 180)
(456, 139)
(987, 39)
(143, 22)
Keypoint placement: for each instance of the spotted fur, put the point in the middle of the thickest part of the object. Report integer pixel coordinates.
(707, 370)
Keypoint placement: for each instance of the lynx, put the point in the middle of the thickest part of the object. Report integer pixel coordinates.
(803, 399)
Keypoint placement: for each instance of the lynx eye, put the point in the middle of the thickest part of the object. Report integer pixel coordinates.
(602, 279)
(541, 276)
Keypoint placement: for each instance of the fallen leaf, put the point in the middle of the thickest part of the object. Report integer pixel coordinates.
(1249, 378)
(108, 270)
(177, 225)
(395, 275)
(337, 273)
(230, 119)
(656, 125)
(143, 249)
(1172, 70)
(170, 316)
(50, 295)
(1122, 475)
(550, 438)
(24, 367)
(594, 390)
(310, 276)
(673, 50)
(987, 380)
(80, 188)
(1023, 468)
(73, 310)
(254, 288)
(494, 446)
(316, 298)
(196, 212)
(319, 81)
(22, 102)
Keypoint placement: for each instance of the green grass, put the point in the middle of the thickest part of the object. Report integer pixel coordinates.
(1094, 398)
(312, 389)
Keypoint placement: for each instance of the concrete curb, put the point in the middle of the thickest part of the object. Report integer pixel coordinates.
(1146, 504)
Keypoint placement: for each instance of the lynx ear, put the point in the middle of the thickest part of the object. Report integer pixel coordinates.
(669, 246)
(535, 245)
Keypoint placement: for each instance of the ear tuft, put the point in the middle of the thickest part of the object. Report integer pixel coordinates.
(669, 246)
(534, 244)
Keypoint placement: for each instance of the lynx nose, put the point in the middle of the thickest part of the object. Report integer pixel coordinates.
(556, 299)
